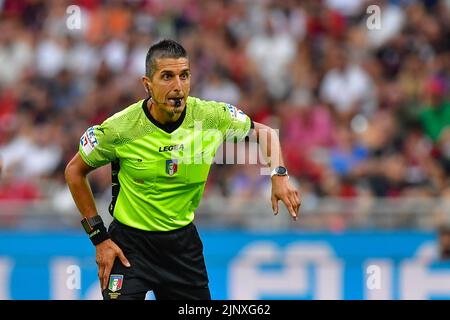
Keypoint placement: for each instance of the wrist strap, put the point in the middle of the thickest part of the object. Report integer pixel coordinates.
(95, 228)
(99, 234)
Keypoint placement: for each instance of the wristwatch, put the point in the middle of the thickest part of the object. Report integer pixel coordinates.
(279, 171)
(90, 223)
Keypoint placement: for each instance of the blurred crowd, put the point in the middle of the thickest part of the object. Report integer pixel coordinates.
(361, 111)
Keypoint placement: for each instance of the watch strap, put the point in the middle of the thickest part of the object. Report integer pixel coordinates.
(95, 228)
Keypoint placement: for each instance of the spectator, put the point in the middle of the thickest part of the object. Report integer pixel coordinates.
(435, 116)
(360, 112)
(347, 154)
(349, 78)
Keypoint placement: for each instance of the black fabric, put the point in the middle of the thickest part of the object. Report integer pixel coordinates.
(181, 293)
(115, 168)
(171, 263)
(168, 127)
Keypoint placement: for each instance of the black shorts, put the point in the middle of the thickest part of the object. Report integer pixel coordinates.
(170, 263)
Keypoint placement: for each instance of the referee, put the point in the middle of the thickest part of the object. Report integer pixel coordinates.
(158, 181)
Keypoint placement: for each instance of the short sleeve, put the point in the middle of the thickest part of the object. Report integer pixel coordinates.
(233, 122)
(96, 146)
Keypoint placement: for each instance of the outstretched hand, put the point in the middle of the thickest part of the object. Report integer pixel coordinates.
(284, 191)
(106, 253)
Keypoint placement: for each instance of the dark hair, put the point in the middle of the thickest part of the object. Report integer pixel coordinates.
(162, 49)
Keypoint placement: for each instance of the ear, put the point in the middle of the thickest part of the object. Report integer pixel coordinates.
(146, 83)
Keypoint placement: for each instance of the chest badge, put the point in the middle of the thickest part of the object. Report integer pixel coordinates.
(171, 166)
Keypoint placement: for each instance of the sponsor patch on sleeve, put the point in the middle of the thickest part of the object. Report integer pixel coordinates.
(236, 113)
(88, 141)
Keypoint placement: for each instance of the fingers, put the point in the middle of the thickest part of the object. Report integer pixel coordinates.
(107, 252)
(292, 203)
(101, 270)
(295, 203)
(297, 198)
(105, 276)
(298, 201)
(290, 207)
(275, 205)
(282, 190)
(104, 269)
(124, 260)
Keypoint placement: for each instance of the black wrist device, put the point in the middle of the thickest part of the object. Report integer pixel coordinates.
(279, 171)
(95, 228)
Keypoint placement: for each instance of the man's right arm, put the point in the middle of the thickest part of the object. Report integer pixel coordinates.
(106, 251)
(76, 176)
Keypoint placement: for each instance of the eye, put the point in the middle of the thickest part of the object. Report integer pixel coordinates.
(166, 76)
(184, 76)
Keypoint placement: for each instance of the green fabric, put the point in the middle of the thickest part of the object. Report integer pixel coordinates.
(162, 175)
(434, 120)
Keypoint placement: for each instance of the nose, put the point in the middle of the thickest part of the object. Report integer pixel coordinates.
(177, 84)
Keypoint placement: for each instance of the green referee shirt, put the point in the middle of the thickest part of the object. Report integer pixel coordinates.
(161, 173)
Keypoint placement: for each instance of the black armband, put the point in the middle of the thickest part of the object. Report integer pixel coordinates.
(95, 228)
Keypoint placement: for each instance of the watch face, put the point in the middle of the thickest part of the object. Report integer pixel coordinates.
(281, 170)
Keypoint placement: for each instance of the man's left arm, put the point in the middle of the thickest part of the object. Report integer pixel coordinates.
(235, 126)
(269, 143)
